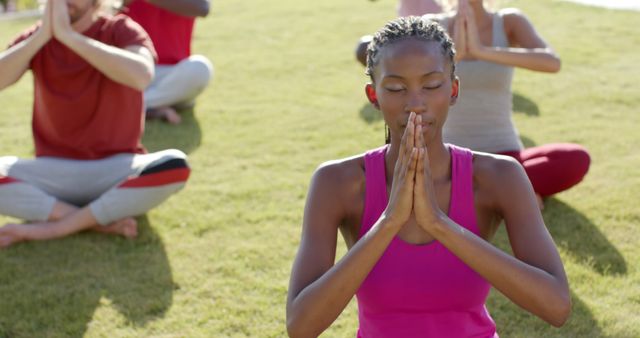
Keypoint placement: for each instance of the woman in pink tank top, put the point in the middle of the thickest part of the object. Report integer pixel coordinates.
(418, 214)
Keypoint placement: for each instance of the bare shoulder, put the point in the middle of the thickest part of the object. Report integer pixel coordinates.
(514, 19)
(336, 197)
(494, 166)
(503, 181)
(339, 181)
(512, 14)
(496, 174)
(344, 177)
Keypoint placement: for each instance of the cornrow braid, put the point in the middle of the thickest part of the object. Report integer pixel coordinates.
(409, 27)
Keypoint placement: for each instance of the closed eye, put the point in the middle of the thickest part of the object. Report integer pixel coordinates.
(394, 90)
(435, 86)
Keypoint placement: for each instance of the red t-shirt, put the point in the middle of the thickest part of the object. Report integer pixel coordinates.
(170, 32)
(78, 112)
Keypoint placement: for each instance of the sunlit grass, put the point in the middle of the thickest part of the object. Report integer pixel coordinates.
(287, 95)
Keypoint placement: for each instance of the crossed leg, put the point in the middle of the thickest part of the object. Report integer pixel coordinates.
(145, 182)
(64, 220)
(176, 87)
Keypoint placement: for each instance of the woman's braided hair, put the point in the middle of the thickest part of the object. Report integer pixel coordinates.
(409, 27)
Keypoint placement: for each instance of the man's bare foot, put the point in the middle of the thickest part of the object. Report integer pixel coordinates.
(165, 113)
(10, 234)
(126, 227)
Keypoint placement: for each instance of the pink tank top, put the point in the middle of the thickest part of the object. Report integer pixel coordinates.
(422, 290)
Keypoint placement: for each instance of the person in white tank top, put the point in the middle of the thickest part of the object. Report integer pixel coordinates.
(489, 44)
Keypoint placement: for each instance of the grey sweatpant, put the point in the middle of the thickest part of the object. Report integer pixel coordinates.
(115, 187)
(179, 84)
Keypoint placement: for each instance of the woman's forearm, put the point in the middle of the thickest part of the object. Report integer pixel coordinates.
(537, 59)
(541, 292)
(316, 306)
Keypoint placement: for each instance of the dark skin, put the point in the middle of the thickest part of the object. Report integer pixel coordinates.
(413, 88)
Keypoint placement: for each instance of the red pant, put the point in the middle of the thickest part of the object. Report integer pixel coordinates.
(553, 168)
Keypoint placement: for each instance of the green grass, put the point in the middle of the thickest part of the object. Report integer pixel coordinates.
(287, 95)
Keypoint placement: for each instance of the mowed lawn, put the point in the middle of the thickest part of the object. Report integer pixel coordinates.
(214, 260)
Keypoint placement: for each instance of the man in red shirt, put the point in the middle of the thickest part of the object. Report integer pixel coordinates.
(90, 170)
(180, 76)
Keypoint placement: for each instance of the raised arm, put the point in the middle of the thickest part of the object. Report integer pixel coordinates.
(535, 278)
(319, 290)
(527, 49)
(184, 7)
(132, 66)
(14, 62)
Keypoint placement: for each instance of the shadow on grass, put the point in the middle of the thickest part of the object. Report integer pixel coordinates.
(522, 104)
(527, 142)
(370, 114)
(186, 136)
(53, 288)
(577, 234)
(513, 321)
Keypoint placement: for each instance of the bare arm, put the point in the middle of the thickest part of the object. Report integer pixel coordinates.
(527, 49)
(535, 278)
(319, 291)
(537, 59)
(14, 62)
(132, 66)
(191, 8)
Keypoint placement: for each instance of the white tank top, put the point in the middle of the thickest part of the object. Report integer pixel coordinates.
(481, 118)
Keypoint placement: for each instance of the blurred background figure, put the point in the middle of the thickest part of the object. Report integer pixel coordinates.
(91, 171)
(489, 44)
(180, 76)
(7, 6)
(405, 8)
